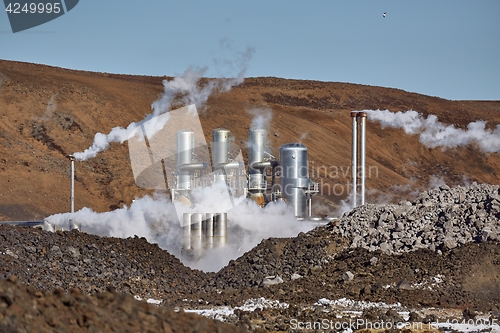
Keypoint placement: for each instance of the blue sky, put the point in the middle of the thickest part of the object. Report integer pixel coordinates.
(445, 48)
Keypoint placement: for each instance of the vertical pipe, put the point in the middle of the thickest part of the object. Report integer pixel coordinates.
(208, 230)
(186, 226)
(310, 205)
(220, 229)
(354, 158)
(362, 153)
(196, 231)
(273, 182)
(72, 197)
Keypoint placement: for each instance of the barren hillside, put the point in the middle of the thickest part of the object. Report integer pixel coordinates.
(47, 113)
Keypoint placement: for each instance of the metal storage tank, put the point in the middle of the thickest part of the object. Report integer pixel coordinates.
(220, 152)
(185, 147)
(294, 180)
(220, 145)
(257, 142)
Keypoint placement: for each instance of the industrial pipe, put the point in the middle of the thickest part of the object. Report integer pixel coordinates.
(354, 155)
(72, 197)
(220, 229)
(196, 232)
(192, 166)
(208, 230)
(186, 227)
(362, 153)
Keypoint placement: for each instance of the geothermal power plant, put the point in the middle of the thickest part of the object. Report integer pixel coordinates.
(264, 179)
(207, 230)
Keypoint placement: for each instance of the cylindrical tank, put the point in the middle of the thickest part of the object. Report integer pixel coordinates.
(220, 145)
(257, 144)
(185, 147)
(294, 179)
(220, 229)
(220, 152)
(196, 231)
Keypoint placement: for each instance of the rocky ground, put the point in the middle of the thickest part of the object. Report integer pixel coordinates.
(391, 263)
(27, 309)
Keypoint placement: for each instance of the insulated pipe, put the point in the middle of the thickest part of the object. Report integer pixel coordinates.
(260, 165)
(229, 165)
(186, 227)
(192, 167)
(362, 154)
(354, 157)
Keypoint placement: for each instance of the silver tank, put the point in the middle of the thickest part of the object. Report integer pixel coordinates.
(220, 145)
(257, 143)
(220, 152)
(294, 180)
(185, 147)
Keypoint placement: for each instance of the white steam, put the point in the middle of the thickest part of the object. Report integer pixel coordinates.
(302, 137)
(434, 134)
(183, 90)
(261, 118)
(155, 219)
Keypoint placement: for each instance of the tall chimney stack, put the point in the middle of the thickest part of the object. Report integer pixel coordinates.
(354, 158)
(362, 156)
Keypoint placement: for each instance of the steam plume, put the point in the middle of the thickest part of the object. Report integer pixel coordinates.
(434, 134)
(183, 90)
(155, 219)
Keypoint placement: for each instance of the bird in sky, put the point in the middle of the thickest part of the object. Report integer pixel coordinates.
(384, 14)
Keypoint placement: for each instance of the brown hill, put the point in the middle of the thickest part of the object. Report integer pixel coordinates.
(47, 113)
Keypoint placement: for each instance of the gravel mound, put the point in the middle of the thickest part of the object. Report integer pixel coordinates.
(282, 259)
(26, 309)
(92, 264)
(442, 217)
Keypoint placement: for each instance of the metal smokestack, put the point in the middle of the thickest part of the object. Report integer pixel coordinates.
(362, 156)
(362, 153)
(72, 224)
(72, 196)
(354, 158)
